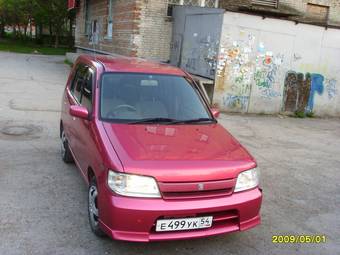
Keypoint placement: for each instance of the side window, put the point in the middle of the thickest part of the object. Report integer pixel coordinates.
(87, 89)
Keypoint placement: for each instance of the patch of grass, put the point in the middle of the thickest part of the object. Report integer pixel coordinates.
(30, 48)
(68, 62)
(310, 114)
(300, 114)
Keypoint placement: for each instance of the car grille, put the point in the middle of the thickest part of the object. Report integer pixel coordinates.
(192, 190)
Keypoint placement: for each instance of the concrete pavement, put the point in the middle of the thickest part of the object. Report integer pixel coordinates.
(43, 200)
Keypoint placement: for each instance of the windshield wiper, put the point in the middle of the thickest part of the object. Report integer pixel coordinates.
(154, 120)
(171, 121)
(198, 120)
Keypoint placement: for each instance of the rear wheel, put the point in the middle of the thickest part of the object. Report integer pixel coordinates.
(93, 208)
(66, 154)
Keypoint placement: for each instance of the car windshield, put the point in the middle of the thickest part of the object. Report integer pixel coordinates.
(143, 98)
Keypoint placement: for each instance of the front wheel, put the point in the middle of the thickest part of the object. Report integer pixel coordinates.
(93, 209)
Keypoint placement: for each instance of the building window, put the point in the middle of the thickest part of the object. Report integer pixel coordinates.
(268, 3)
(317, 12)
(200, 3)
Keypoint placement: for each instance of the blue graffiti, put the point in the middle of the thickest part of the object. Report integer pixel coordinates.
(269, 93)
(236, 102)
(316, 87)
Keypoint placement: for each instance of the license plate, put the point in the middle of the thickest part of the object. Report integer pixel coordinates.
(184, 224)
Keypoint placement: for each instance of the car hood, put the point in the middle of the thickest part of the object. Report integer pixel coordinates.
(173, 153)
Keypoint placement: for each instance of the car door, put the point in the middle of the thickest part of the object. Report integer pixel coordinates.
(74, 98)
(85, 138)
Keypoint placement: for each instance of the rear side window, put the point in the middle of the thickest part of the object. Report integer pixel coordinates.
(82, 86)
(87, 89)
(78, 81)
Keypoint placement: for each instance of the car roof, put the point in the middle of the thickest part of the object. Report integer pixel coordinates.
(132, 65)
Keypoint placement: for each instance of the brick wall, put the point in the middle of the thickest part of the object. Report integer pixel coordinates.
(140, 28)
(155, 30)
(126, 18)
(294, 6)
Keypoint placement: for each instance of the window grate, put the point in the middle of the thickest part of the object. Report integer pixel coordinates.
(269, 3)
(211, 3)
(191, 2)
(201, 3)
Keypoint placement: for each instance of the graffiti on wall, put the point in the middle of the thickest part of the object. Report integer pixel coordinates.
(236, 102)
(266, 72)
(235, 70)
(296, 87)
(331, 89)
(316, 87)
(301, 90)
(243, 64)
(246, 70)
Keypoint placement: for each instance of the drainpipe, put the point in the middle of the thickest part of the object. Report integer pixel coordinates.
(110, 25)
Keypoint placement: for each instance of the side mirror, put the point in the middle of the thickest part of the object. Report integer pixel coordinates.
(215, 112)
(79, 111)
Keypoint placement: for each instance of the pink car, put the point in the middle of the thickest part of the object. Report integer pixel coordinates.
(157, 163)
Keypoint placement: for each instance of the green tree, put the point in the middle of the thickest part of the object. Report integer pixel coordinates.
(20, 14)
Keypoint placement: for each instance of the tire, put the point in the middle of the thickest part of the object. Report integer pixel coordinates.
(93, 209)
(66, 154)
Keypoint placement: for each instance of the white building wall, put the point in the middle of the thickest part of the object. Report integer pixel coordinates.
(257, 55)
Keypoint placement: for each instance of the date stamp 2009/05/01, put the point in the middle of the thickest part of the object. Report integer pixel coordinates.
(299, 239)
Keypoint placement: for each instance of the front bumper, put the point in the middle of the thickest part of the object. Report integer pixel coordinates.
(134, 219)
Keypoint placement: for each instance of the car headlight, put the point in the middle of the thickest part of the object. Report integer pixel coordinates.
(132, 185)
(247, 180)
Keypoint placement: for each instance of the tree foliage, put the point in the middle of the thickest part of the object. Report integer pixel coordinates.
(51, 15)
